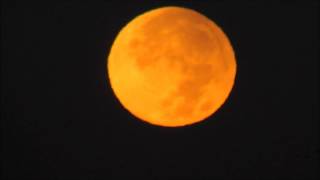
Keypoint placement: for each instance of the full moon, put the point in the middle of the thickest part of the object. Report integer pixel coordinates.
(171, 67)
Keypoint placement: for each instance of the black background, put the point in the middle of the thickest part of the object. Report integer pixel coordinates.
(60, 119)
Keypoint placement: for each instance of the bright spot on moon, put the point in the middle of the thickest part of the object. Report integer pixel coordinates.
(171, 67)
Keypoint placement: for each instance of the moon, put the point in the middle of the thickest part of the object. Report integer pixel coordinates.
(171, 67)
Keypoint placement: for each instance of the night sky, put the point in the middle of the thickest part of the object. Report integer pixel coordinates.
(61, 120)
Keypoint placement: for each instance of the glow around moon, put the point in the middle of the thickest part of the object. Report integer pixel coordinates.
(171, 67)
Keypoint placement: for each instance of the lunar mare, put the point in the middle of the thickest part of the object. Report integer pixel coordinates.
(171, 67)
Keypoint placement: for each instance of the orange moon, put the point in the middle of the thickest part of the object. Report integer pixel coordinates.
(171, 67)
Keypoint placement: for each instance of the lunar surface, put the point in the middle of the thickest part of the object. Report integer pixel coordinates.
(171, 67)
